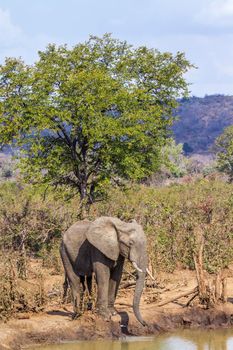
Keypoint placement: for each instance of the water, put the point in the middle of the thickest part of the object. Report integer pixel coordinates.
(183, 340)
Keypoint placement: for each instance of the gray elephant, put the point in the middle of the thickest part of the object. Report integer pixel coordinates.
(101, 247)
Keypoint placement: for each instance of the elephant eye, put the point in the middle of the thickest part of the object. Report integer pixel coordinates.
(131, 242)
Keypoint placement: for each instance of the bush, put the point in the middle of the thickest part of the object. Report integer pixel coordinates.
(6, 169)
(224, 152)
(17, 295)
(31, 225)
(170, 217)
(30, 221)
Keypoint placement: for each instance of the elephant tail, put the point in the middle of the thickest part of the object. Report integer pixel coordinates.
(65, 289)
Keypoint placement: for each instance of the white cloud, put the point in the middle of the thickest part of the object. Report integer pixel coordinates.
(213, 56)
(203, 29)
(8, 30)
(217, 12)
(14, 42)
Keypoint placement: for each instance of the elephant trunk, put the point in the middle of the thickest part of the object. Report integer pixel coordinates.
(137, 296)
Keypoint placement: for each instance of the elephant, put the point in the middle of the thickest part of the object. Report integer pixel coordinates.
(100, 247)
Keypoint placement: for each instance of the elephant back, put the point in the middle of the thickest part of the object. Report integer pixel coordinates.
(74, 238)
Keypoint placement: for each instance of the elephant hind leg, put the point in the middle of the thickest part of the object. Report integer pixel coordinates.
(75, 290)
(76, 298)
(73, 280)
(86, 286)
(65, 289)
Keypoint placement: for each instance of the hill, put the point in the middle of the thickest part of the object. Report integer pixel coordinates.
(201, 120)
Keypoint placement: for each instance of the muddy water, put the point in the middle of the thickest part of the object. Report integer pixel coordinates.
(184, 340)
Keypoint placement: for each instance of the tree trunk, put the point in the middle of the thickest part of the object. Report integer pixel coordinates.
(83, 207)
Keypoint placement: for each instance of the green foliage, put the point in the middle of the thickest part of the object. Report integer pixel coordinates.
(224, 152)
(173, 159)
(86, 115)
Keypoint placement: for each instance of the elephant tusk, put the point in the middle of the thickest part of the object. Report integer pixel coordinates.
(150, 274)
(136, 266)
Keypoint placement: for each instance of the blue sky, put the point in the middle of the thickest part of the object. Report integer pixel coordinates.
(203, 29)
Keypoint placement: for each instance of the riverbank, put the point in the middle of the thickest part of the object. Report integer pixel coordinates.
(54, 324)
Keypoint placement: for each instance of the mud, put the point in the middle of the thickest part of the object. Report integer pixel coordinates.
(55, 324)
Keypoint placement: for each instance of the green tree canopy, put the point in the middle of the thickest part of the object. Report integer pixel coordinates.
(224, 151)
(83, 116)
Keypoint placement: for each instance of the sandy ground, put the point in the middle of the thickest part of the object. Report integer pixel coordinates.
(54, 324)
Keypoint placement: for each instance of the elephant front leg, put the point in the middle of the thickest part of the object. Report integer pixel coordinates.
(114, 282)
(102, 273)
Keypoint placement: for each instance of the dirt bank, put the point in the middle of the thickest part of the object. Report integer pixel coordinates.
(54, 324)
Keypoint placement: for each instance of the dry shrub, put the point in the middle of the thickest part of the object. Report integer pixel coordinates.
(51, 259)
(170, 216)
(31, 226)
(16, 294)
(29, 220)
(8, 290)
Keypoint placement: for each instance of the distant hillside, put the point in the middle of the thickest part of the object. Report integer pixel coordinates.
(202, 120)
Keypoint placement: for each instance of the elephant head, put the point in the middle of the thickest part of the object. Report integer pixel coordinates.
(113, 237)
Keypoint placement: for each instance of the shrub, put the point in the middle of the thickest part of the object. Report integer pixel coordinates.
(31, 225)
(171, 215)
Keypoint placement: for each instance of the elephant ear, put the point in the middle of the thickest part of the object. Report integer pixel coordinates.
(102, 234)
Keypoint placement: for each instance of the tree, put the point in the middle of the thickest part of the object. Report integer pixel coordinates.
(173, 159)
(187, 148)
(224, 152)
(84, 116)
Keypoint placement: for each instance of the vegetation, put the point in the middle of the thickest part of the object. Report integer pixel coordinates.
(173, 160)
(224, 152)
(83, 116)
(29, 221)
(82, 120)
(169, 216)
(31, 224)
(16, 294)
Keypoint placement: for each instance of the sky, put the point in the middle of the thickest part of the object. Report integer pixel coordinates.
(203, 29)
